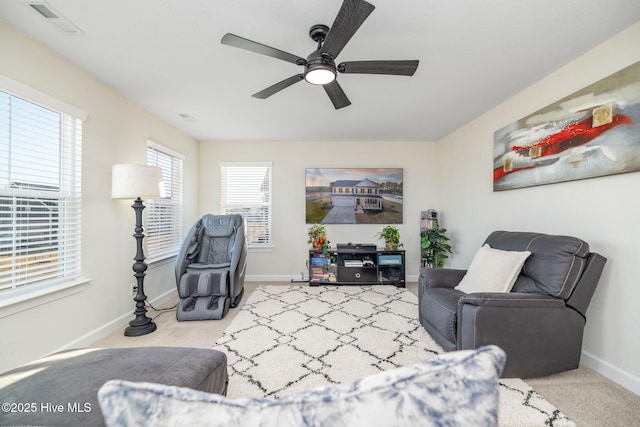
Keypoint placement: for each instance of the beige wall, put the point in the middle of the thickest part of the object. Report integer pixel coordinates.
(603, 211)
(287, 259)
(116, 131)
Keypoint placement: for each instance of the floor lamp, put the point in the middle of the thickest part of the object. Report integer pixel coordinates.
(138, 182)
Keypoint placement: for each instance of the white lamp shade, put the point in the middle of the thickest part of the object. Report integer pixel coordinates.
(132, 181)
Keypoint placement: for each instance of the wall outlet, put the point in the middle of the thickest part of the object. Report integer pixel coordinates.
(134, 289)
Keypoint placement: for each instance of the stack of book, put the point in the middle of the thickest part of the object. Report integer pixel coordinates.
(390, 260)
(318, 267)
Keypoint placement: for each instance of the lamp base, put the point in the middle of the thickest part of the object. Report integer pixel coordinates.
(140, 326)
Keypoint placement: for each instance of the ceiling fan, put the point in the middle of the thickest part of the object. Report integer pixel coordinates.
(320, 67)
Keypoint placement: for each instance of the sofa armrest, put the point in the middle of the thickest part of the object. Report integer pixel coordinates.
(440, 277)
(511, 299)
(529, 327)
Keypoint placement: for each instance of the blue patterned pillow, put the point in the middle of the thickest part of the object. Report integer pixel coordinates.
(452, 389)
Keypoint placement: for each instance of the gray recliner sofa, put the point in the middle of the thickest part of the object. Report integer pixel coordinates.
(539, 323)
(210, 267)
(62, 389)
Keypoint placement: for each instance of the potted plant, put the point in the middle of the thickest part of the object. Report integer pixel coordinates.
(391, 237)
(318, 237)
(434, 246)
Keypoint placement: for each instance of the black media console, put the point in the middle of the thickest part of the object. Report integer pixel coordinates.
(351, 264)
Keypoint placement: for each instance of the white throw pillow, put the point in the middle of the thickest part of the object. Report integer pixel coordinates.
(493, 270)
(456, 389)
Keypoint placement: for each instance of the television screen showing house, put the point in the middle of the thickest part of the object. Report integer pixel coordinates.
(354, 196)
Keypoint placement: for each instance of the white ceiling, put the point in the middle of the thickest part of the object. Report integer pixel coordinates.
(166, 56)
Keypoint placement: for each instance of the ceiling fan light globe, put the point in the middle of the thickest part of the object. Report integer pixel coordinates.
(320, 75)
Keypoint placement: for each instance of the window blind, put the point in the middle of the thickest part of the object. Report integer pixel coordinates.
(164, 216)
(40, 192)
(246, 190)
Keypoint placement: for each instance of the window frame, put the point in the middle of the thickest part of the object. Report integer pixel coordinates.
(70, 181)
(173, 202)
(251, 224)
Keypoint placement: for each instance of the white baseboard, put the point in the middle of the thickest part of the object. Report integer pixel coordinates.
(276, 278)
(108, 328)
(297, 279)
(615, 374)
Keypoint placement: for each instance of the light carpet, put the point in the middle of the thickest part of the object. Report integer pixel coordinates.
(287, 339)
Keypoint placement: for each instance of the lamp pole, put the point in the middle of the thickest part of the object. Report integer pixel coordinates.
(138, 182)
(142, 324)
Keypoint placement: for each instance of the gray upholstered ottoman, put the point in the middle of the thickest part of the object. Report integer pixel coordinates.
(61, 389)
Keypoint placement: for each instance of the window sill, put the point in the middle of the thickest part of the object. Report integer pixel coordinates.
(15, 301)
(266, 248)
(161, 260)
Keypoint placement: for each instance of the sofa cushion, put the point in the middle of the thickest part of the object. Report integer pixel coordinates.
(554, 266)
(453, 389)
(492, 270)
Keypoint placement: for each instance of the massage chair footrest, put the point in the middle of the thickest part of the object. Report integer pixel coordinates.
(203, 296)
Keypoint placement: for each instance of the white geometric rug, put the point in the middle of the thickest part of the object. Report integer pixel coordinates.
(288, 339)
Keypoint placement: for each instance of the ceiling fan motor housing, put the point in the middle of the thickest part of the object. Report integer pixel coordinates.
(319, 64)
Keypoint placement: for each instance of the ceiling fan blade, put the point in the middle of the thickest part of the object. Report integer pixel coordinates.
(242, 43)
(351, 15)
(336, 94)
(397, 68)
(271, 90)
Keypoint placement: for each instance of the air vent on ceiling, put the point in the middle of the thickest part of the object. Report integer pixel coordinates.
(53, 16)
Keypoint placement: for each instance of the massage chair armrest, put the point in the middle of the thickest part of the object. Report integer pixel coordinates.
(510, 299)
(184, 255)
(440, 277)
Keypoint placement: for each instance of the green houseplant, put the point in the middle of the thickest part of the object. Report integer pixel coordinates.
(317, 234)
(434, 246)
(391, 237)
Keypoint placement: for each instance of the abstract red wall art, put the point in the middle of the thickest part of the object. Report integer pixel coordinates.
(590, 133)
